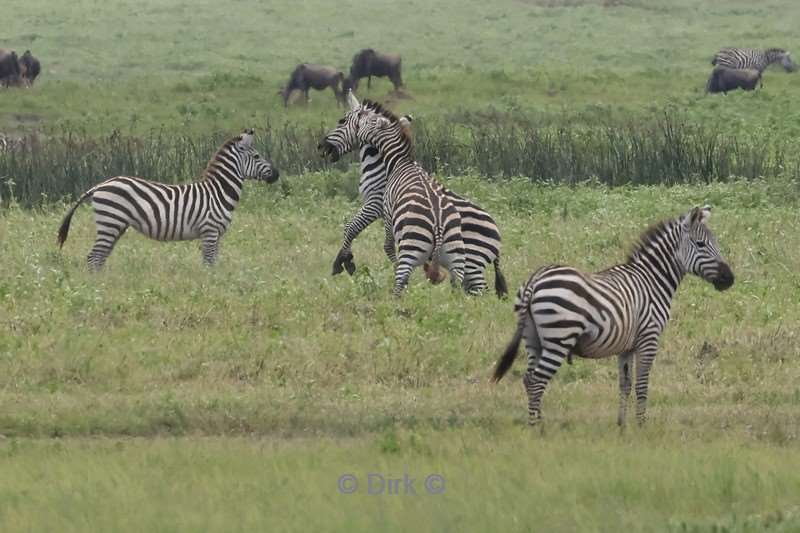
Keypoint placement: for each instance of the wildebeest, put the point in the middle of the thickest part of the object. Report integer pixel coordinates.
(368, 63)
(307, 76)
(29, 67)
(724, 79)
(9, 68)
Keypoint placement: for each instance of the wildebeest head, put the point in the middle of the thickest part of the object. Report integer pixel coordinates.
(362, 66)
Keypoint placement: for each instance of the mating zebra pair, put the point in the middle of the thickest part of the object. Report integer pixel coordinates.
(423, 218)
(200, 210)
(620, 311)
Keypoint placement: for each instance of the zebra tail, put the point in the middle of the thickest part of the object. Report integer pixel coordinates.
(63, 231)
(500, 286)
(438, 241)
(509, 355)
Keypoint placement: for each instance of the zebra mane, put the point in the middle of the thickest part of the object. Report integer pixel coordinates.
(221, 149)
(649, 236)
(379, 109)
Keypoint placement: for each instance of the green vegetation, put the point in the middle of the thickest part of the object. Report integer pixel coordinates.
(161, 395)
(276, 375)
(205, 65)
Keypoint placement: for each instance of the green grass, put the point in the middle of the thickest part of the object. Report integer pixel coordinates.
(656, 480)
(278, 378)
(161, 395)
(200, 66)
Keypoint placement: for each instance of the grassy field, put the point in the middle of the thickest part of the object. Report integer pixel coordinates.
(176, 396)
(164, 396)
(203, 65)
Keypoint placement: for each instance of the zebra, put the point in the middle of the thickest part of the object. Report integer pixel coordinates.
(419, 217)
(200, 210)
(622, 310)
(750, 58)
(479, 230)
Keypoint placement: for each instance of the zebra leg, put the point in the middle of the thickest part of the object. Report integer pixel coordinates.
(104, 241)
(366, 215)
(645, 355)
(210, 246)
(624, 361)
(474, 280)
(452, 255)
(541, 370)
(410, 256)
(388, 243)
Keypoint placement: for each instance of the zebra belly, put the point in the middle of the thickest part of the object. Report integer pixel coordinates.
(586, 331)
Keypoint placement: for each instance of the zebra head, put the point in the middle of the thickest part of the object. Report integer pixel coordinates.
(787, 63)
(251, 164)
(361, 125)
(699, 251)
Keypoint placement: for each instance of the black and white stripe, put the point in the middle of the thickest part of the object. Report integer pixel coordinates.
(751, 58)
(623, 310)
(478, 229)
(419, 218)
(200, 210)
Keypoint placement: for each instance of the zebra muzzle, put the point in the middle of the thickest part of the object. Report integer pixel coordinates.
(328, 151)
(724, 279)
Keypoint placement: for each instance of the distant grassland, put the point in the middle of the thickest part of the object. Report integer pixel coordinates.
(202, 66)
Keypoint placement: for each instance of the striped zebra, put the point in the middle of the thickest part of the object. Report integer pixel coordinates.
(750, 58)
(200, 210)
(479, 230)
(623, 310)
(420, 218)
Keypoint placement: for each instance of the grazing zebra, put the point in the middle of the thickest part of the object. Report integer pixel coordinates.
(479, 231)
(623, 310)
(200, 210)
(419, 217)
(750, 58)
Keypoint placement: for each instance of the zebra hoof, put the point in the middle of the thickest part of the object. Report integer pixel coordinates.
(344, 260)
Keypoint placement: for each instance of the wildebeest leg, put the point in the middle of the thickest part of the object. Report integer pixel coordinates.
(308, 99)
(369, 82)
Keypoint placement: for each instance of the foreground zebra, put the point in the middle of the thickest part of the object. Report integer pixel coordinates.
(419, 217)
(200, 210)
(623, 310)
(749, 58)
(479, 230)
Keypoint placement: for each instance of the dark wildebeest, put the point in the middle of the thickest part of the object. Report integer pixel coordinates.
(368, 63)
(307, 76)
(9, 68)
(29, 67)
(725, 79)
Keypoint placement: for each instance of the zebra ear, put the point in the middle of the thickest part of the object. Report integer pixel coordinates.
(246, 138)
(700, 215)
(382, 122)
(352, 100)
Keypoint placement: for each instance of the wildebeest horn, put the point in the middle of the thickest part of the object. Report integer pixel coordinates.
(351, 99)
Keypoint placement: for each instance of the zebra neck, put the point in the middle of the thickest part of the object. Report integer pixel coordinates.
(773, 56)
(394, 147)
(657, 258)
(228, 181)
